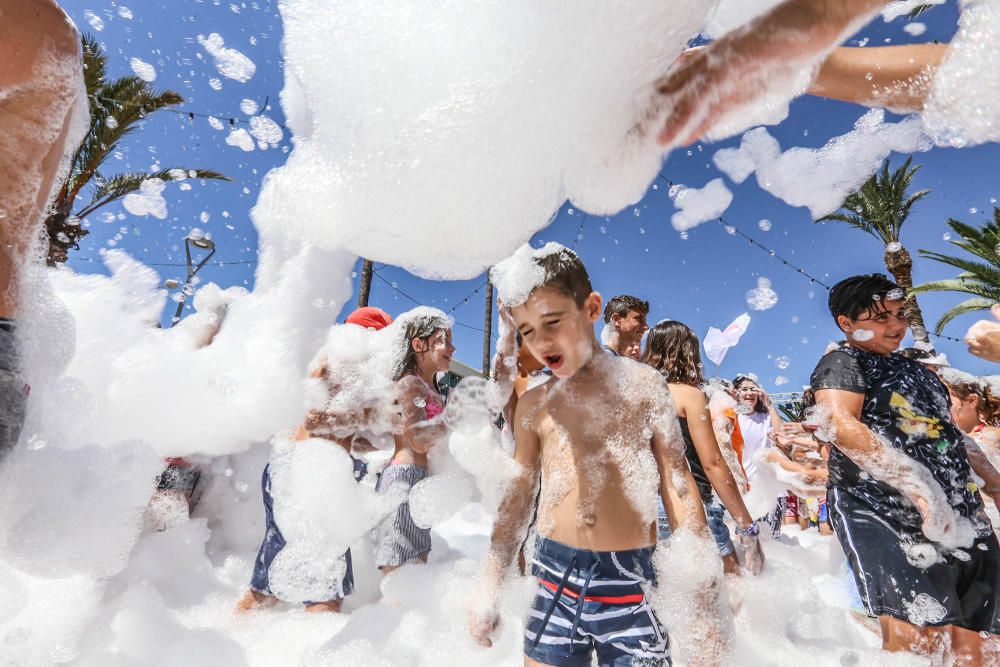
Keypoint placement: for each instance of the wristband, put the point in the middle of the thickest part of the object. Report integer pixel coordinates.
(753, 530)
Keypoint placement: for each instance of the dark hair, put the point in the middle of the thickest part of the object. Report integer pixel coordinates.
(741, 380)
(422, 327)
(808, 398)
(916, 353)
(853, 296)
(622, 304)
(672, 349)
(565, 273)
(988, 405)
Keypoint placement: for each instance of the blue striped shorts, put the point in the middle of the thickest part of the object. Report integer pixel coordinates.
(594, 601)
(397, 540)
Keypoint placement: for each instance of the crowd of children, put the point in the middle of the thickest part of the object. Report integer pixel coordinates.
(622, 442)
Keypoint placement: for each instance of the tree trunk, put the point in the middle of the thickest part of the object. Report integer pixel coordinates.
(366, 283)
(62, 235)
(900, 265)
(488, 336)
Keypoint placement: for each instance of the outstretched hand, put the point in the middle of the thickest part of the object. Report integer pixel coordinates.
(777, 55)
(983, 337)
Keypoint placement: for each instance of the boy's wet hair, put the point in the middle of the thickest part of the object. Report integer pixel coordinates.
(853, 296)
(622, 304)
(672, 349)
(565, 273)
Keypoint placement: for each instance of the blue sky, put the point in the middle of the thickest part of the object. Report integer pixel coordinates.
(701, 280)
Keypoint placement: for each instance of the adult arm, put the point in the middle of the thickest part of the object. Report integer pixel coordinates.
(898, 78)
(511, 522)
(792, 39)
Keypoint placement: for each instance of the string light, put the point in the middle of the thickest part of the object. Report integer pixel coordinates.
(192, 114)
(798, 269)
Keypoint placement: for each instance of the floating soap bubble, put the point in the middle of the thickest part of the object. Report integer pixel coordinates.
(764, 225)
(762, 297)
(782, 362)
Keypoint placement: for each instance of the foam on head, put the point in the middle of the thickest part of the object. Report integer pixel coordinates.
(516, 277)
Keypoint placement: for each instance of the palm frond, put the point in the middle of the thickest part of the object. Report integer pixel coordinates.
(918, 11)
(120, 185)
(970, 306)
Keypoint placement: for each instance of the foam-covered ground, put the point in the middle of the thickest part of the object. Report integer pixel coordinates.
(173, 603)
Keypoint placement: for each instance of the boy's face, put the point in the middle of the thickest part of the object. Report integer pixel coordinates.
(556, 331)
(880, 329)
(632, 327)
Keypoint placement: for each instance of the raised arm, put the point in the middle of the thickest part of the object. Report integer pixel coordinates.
(886, 464)
(898, 78)
(511, 522)
(785, 44)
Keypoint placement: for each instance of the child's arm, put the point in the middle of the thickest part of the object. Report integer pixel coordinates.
(512, 519)
(718, 473)
(686, 512)
(419, 432)
(886, 464)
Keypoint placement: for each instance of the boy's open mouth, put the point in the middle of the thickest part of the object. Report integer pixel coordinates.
(553, 361)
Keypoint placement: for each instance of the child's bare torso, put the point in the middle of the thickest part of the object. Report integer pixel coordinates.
(599, 477)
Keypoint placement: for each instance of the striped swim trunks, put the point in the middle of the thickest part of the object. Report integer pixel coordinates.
(397, 540)
(594, 602)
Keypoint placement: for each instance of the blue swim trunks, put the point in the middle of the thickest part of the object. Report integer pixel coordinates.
(594, 602)
(274, 542)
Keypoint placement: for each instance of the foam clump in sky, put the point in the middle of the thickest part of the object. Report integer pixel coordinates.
(762, 297)
(698, 205)
(148, 200)
(820, 178)
(143, 70)
(240, 138)
(411, 133)
(231, 63)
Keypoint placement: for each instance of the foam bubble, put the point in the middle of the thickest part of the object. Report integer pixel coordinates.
(698, 205)
(231, 63)
(142, 69)
(148, 200)
(763, 296)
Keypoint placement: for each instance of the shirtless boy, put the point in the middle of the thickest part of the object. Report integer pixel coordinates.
(604, 436)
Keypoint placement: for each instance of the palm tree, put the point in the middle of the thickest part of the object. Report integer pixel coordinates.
(981, 279)
(116, 107)
(879, 208)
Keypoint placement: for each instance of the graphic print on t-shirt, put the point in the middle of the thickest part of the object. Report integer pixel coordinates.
(908, 407)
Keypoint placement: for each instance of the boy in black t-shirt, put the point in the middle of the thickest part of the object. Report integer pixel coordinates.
(901, 495)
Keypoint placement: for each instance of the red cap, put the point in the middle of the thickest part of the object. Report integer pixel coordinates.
(370, 317)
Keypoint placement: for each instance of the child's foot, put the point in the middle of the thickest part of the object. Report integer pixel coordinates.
(252, 600)
(332, 605)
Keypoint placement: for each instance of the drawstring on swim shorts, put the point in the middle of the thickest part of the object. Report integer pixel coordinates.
(555, 601)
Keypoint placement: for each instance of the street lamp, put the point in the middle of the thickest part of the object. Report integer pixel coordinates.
(202, 243)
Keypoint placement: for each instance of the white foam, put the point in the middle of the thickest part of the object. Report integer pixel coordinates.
(964, 106)
(819, 179)
(241, 139)
(762, 297)
(148, 200)
(519, 274)
(231, 63)
(698, 205)
(143, 70)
